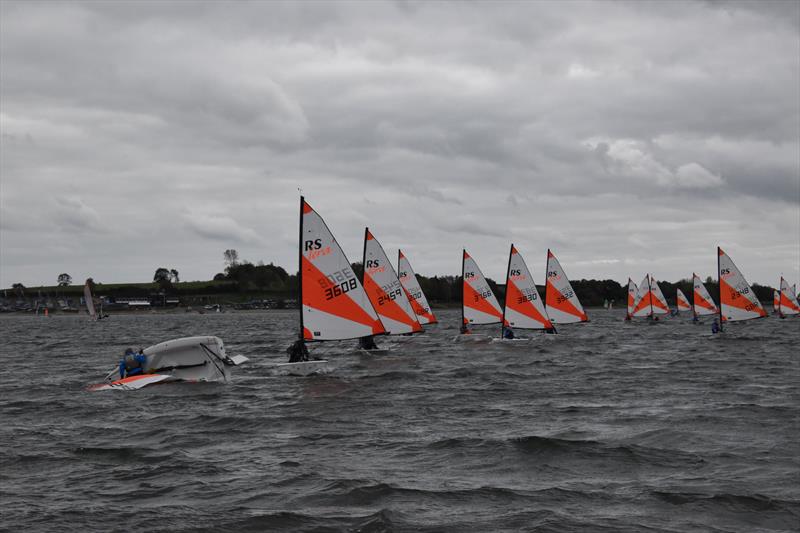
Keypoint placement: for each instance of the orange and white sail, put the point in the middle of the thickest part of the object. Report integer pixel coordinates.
(788, 303)
(523, 306)
(334, 303)
(643, 304)
(776, 301)
(384, 290)
(702, 302)
(633, 296)
(737, 299)
(660, 306)
(563, 306)
(408, 279)
(682, 301)
(87, 296)
(479, 304)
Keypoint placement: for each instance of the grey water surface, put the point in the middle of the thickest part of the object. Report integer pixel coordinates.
(606, 427)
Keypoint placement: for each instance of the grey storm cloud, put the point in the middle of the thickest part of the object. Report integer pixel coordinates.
(628, 136)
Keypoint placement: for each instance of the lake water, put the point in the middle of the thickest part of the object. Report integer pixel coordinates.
(605, 427)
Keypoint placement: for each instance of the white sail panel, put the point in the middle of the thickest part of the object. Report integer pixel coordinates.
(682, 301)
(88, 297)
(385, 291)
(737, 299)
(660, 306)
(562, 304)
(410, 283)
(788, 303)
(524, 308)
(479, 304)
(335, 305)
(702, 302)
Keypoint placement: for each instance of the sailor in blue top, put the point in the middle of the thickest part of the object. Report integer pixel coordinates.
(132, 364)
(508, 333)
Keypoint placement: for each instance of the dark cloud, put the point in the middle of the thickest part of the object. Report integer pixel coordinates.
(628, 136)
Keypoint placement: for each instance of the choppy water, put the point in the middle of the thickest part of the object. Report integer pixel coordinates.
(609, 427)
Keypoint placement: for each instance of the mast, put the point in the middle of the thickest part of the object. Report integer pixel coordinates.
(694, 310)
(505, 296)
(463, 254)
(780, 297)
(719, 288)
(300, 266)
(650, 296)
(364, 257)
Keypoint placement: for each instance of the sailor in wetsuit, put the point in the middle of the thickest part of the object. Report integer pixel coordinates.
(298, 352)
(508, 333)
(132, 363)
(367, 343)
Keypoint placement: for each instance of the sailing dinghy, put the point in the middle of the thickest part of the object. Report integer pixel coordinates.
(413, 290)
(682, 302)
(787, 304)
(87, 296)
(523, 307)
(562, 304)
(737, 301)
(633, 297)
(702, 303)
(334, 304)
(385, 291)
(479, 305)
(190, 359)
(651, 300)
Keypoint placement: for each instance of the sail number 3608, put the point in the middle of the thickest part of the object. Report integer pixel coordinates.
(341, 288)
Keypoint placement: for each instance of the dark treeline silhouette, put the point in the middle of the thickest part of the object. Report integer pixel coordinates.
(247, 278)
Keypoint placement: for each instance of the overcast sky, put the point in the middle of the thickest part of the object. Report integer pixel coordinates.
(628, 137)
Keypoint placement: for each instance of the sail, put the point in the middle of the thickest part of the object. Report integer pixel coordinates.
(737, 299)
(563, 306)
(660, 306)
(683, 302)
(479, 304)
(701, 299)
(408, 279)
(384, 290)
(334, 303)
(776, 300)
(642, 306)
(523, 306)
(788, 303)
(87, 295)
(633, 295)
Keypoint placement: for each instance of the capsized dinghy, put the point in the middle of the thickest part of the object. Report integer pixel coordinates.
(190, 359)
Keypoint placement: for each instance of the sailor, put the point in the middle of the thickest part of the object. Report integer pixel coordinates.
(465, 330)
(508, 333)
(132, 363)
(695, 319)
(367, 343)
(298, 352)
(715, 327)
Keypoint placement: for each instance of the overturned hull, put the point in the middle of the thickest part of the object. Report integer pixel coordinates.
(186, 359)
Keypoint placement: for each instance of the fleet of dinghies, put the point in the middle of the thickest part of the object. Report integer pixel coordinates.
(336, 305)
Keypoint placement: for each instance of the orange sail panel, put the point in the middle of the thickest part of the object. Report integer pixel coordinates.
(563, 306)
(410, 283)
(737, 299)
(479, 304)
(385, 291)
(643, 306)
(523, 306)
(660, 306)
(335, 305)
